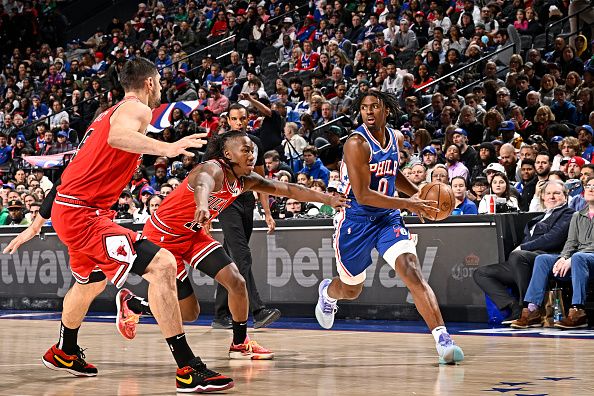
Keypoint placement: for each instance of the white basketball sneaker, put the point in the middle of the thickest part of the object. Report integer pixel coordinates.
(325, 309)
(449, 352)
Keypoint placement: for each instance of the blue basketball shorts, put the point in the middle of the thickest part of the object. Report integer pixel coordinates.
(356, 236)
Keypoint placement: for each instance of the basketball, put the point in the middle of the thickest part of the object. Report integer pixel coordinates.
(443, 194)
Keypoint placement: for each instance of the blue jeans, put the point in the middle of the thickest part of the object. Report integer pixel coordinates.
(543, 265)
(581, 264)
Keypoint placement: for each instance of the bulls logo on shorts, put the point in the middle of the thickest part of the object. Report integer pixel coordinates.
(119, 248)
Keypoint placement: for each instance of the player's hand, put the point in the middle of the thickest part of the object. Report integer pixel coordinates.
(196, 140)
(422, 208)
(25, 236)
(338, 202)
(270, 223)
(207, 228)
(202, 216)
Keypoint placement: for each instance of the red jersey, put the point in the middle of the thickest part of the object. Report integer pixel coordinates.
(98, 173)
(175, 215)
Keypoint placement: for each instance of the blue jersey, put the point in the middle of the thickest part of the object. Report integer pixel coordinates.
(383, 165)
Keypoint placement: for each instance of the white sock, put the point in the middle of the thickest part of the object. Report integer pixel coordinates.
(327, 297)
(438, 331)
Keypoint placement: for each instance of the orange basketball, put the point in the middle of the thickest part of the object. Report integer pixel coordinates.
(443, 194)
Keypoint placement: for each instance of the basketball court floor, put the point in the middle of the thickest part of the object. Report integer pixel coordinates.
(356, 358)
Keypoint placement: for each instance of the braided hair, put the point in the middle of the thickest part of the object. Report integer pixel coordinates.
(389, 100)
(216, 148)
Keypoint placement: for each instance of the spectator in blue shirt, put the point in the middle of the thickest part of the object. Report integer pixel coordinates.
(38, 110)
(5, 150)
(464, 206)
(561, 108)
(313, 165)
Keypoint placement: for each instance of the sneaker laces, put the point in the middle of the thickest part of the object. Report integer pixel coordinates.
(202, 371)
(328, 307)
(80, 354)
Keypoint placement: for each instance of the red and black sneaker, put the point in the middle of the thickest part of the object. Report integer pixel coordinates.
(76, 365)
(197, 378)
(126, 319)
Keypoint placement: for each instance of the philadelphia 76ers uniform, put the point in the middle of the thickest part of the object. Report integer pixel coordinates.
(361, 228)
(81, 215)
(172, 226)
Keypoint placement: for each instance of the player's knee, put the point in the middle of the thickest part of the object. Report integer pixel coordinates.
(190, 314)
(236, 283)
(163, 265)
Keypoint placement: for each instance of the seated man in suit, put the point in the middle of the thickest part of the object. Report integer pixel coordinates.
(545, 233)
(578, 257)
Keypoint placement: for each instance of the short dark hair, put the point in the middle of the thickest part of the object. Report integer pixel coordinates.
(311, 149)
(135, 71)
(528, 161)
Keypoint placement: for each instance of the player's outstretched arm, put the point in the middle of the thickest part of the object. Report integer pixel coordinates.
(257, 183)
(25, 236)
(35, 227)
(204, 179)
(128, 125)
(356, 157)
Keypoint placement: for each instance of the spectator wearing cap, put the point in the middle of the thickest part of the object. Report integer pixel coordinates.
(420, 26)
(468, 155)
(574, 167)
(307, 30)
(405, 39)
(585, 133)
(16, 214)
(19, 145)
(508, 134)
(37, 110)
(561, 108)
(455, 167)
(217, 102)
(141, 214)
(429, 159)
(486, 155)
(62, 143)
(100, 66)
(182, 90)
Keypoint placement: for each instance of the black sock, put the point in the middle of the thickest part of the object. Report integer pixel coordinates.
(68, 339)
(139, 306)
(239, 332)
(180, 349)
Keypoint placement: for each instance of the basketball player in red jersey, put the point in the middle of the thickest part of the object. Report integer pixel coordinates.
(178, 226)
(99, 248)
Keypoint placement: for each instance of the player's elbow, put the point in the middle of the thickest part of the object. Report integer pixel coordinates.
(363, 197)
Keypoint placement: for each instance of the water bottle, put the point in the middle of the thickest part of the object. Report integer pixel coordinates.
(557, 314)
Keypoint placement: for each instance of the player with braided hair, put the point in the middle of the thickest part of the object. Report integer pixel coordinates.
(180, 225)
(369, 175)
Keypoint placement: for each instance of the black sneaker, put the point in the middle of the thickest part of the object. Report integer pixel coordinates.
(222, 323)
(197, 378)
(57, 359)
(266, 316)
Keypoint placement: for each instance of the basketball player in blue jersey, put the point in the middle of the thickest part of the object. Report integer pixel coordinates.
(369, 176)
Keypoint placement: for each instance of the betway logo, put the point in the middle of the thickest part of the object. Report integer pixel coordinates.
(306, 264)
(47, 267)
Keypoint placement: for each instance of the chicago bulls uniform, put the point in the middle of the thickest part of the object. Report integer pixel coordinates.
(173, 228)
(81, 216)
